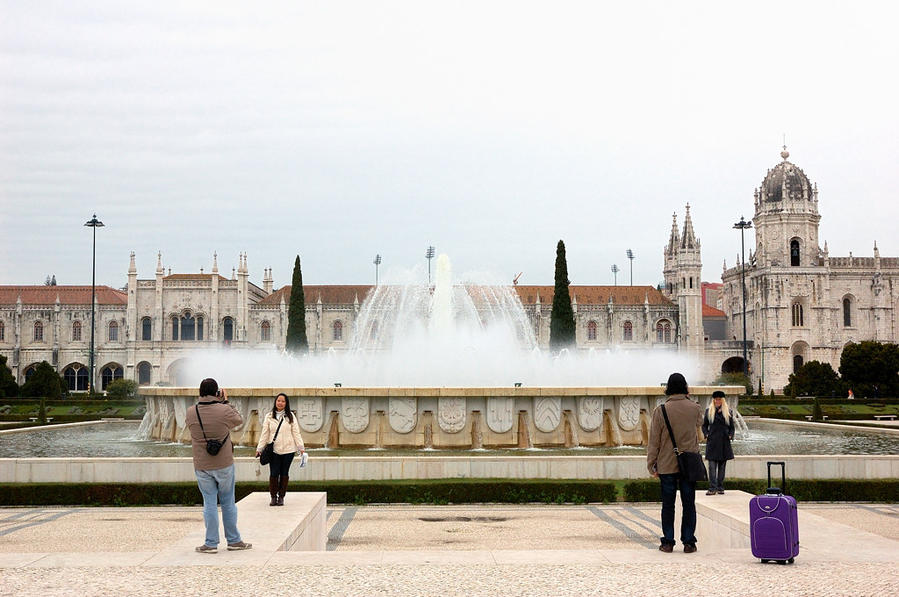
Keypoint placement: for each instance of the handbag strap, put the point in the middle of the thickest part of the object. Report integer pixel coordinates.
(274, 437)
(670, 433)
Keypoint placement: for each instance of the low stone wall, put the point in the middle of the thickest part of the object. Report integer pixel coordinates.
(350, 468)
(441, 418)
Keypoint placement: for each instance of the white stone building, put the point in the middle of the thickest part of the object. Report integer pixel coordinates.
(801, 303)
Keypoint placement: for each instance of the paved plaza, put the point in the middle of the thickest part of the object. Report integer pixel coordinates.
(429, 550)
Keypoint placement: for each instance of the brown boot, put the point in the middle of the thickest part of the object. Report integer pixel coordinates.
(282, 490)
(273, 490)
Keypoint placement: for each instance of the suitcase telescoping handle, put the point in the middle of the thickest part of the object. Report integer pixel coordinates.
(783, 478)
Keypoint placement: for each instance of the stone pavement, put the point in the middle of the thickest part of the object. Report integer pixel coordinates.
(432, 550)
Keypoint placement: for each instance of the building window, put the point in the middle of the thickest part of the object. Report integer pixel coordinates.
(798, 318)
(797, 362)
(76, 377)
(188, 327)
(38, 331)
(591, 330)
(113, 331)
(663, 331)
(266, 331)
(174, 328)
(146, 329)
(109, 374)
(2, 332)
(199, 328)
(144, 373)
(794, 252)
(76, 331)
(628, 331)
(847, 313)
(338, 331)
(228, 330)
(29, 372)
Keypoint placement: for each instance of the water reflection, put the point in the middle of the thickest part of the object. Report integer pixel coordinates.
(119, 440)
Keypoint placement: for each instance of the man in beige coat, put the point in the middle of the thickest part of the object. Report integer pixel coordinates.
(213, 418)
(686, 418)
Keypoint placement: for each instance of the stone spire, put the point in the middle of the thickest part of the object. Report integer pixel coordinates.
(674, 239)
(215, 263)
(159, 270)
(689, 240)
(132, 268)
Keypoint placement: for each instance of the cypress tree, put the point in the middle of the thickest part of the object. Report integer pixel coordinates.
(561, 325)
(296, 313)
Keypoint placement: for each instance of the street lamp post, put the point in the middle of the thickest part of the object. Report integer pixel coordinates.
(630, 255)
(743, 225)
(615, 271)
(429, 254)
(93, 223)
(377, 262)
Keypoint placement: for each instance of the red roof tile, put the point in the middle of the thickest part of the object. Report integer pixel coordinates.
(68, 295)
(331, 294)
(595, 295)
(708, 311)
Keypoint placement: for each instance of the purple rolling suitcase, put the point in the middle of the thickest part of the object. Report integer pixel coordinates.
(774, 523)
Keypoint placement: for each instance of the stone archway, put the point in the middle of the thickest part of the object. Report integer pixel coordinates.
(732, 365)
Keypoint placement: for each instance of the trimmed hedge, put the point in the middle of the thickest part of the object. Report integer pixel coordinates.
(434, 491)
(804, 490)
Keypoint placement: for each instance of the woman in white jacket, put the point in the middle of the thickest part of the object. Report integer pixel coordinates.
(288, 443)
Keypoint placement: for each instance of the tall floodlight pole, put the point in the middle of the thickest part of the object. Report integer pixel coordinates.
(93, 223)
(429, 254)
(630, 255)
(377, 262)
(615, 271)
(743, 225)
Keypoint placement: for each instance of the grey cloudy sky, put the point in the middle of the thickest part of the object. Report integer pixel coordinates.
(338, 130)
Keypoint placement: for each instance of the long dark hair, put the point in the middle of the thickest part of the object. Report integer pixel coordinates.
(286, 407)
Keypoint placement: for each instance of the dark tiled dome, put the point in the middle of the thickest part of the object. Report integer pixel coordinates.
(786, 181)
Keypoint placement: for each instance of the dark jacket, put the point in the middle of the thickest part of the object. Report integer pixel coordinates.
(686, 417)
(218, 421)
(718, 435)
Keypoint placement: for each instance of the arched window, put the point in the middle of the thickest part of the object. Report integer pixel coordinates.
(144, 373)
(109, 374)
(29, 371)
(628, 331)
(76, 331)
(663, 331)
(188, 326)
(227, 330)
(338, 331)
(113, 331)
(266, 330)
(794, 252)
(146, 329)
(174, 327)
(2, 332)
(199, 328)
(38, 331)
(76, 377)
(591, 330)
(847, 313)
(797, 362)
(798, 318)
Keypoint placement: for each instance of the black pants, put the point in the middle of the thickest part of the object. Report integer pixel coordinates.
(280, 465)
(716, 474)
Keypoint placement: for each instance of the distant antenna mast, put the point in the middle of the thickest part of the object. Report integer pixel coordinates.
(429, 254)
(515, 279)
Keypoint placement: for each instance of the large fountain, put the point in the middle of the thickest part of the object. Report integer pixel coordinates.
(442, 366)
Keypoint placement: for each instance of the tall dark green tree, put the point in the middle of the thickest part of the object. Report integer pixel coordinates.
(8, 385)
(561, 324)
(44, 382)
(813, 379)
(296, 313)
(870, 369)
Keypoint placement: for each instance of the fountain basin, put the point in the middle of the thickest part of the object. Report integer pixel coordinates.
(432, 417)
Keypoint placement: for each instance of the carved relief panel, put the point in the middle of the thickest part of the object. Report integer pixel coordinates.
(500, 414)
(402, 413)
(451, 414)
(547, 413)
(589, 412)
(310, 413)
(628, 412)
(354, 414)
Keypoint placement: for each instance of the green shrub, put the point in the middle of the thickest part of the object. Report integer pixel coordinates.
(122, 388)
(735, 379)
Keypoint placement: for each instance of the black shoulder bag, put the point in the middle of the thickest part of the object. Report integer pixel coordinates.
(269, 450)
(690, 463)
(212, 445)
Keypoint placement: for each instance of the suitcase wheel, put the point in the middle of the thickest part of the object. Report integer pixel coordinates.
(764, 561)
(790, 561)
(782, 562)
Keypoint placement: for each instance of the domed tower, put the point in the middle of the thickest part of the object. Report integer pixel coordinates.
(786, 217)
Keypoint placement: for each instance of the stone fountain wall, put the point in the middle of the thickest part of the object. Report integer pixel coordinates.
(439, 418)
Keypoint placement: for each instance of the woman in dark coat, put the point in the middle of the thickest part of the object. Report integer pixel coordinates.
(718, 429)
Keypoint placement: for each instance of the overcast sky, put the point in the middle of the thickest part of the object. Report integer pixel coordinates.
(340, 130)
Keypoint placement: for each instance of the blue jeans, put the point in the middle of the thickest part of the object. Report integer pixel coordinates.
(716, 474)
(218, 485)
(670, 484)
